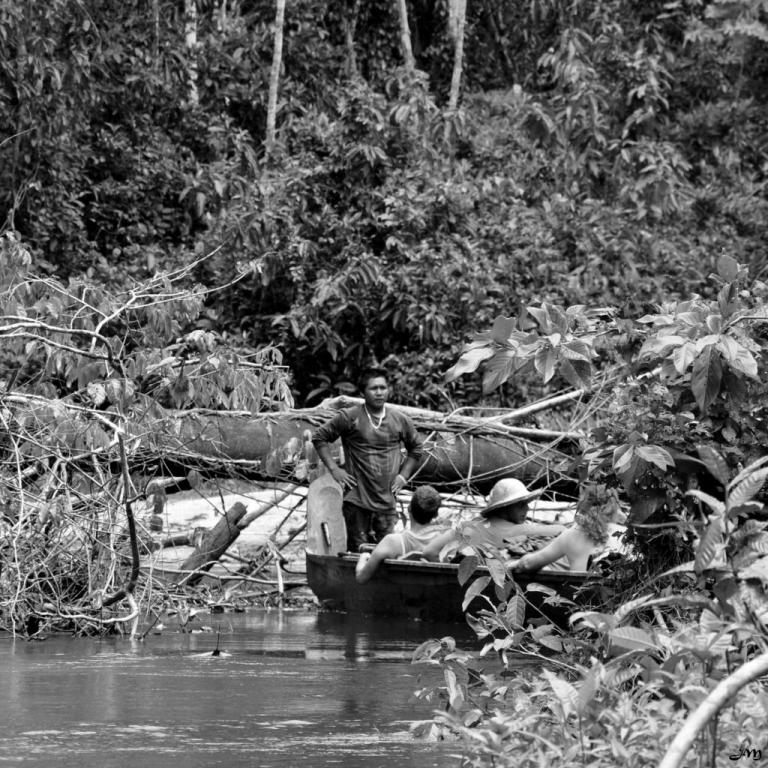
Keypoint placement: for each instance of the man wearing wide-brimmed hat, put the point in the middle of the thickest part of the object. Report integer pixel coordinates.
(502, 520)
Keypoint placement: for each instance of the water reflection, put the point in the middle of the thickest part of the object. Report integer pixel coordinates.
(288, 689)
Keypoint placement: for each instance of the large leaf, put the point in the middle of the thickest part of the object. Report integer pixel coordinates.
(503, 328)
(655, 454)
(706, 376)
(632, 639)
(714, 462)
(515, 613)
(727, 268)
(737, 356)
(541, 315)
(747, 488)
(469, 361)
(498, 369)
(757, 570)
(475, 589)
(467, 567)
(566, 694)
(709, 544)
(497, 570)
(545, 362)
(578, 373)
(714, 504)
(683, 356)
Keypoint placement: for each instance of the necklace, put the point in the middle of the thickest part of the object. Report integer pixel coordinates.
(381, 418)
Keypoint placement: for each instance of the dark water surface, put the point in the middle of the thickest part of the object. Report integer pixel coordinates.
(290, 688)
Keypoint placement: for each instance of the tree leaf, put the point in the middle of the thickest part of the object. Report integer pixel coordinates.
(655, 454)
(515, 613)
(502, 329)
(541, 315)
(475, 589)
(632, 639)
(757, 570)
(467, 567)
(747, 488)
(714, 462)
(683, 356)
(498, 369)
(738, 357)
(706, 377)
(727, 268)
(469, 361)
(544, 361)
(566, 694)
(497, 570)
(709, 544)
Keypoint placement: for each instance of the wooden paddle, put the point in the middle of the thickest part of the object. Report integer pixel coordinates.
(326, 531)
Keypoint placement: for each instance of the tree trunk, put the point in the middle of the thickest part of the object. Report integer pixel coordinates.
(350, 64)
(214, 544)
(458, 451)
(274, 78)
(190, 37)
(405, 36)
(457, 20)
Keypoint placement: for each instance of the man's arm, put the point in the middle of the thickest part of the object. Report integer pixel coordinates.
(389, 546)
(413, 445)
(544, 556)
(322, 439)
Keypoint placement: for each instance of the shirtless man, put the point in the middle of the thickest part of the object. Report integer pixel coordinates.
(374, 471)
(422, 511)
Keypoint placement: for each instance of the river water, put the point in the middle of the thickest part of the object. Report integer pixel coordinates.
(288, 688)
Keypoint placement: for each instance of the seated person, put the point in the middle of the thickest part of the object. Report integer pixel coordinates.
(597, 508)
(422, 511)
(502, 520)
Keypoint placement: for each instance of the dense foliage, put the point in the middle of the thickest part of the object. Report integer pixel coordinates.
(603, 154)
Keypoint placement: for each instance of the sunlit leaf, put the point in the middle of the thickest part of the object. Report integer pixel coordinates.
(588, 688)
(737, 356)
(683, 356)
(469, 361)
(757, 570)
(497, 570)
(632, 639)
(541, 315)
(566, 694)
(515, 613)
(655, 454)
(476, 588)
(747, 488)
(709, 545)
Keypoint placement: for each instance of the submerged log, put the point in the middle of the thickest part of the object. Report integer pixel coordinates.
(216, 541)
(458, 450)
(214, 544)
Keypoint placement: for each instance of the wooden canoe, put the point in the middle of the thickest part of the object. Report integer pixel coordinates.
(413, 589)
(427, 591)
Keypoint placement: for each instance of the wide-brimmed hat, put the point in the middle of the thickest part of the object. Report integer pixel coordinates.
(507, 492)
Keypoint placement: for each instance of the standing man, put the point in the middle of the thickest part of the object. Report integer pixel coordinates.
(374, 471)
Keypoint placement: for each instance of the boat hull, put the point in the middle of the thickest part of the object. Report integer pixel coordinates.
(421, 590)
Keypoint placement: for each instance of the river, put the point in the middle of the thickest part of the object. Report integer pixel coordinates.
(288, 688)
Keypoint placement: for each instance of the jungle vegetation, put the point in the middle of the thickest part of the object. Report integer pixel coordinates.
(236, 204)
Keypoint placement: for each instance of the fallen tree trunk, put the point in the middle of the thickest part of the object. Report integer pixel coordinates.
(458, 450)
